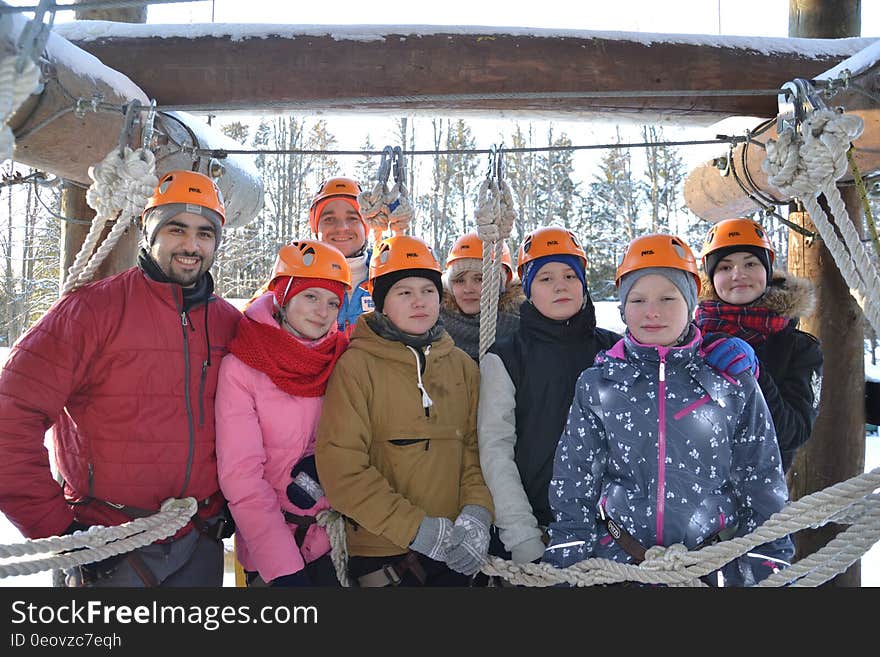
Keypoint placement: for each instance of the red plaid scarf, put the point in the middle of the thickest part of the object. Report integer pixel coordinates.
(294, 367)
(751, 323)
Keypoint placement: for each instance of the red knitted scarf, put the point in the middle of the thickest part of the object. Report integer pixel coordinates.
(751, 323)
(291, 365)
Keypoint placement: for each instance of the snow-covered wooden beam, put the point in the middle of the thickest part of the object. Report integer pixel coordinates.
(53, 136)
(713, 196)
(352, 68)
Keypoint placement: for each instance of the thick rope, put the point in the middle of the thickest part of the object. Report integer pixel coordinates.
(852, 500)
(15, 88)
(494, 216)
(334, 524)
(121, 185)
(98, 543)
(807, 166)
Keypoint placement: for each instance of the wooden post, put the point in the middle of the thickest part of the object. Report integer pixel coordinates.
(73, 198)
(836, 450)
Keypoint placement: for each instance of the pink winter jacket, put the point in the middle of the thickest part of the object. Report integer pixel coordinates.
(262, 432)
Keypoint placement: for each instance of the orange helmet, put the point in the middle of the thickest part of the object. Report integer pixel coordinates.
(549, 240)
(658, 250)
(330, 189)
(471, 246)
(188, 187)
(311, 259)
(736, 232)
(401, 252)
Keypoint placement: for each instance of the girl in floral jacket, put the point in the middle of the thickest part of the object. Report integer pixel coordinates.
(660, 448)
(269, 398)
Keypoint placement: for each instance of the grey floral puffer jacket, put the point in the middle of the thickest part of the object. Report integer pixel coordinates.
(673, 451)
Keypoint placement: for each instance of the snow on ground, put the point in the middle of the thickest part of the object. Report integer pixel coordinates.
(607, 317)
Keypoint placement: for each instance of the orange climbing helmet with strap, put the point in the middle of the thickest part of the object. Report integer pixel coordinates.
(398, 253)
(311, 259)
(736, 232)
(658, 250)
(187, 187)
(470, 245)
(549, 240)
(334, 188)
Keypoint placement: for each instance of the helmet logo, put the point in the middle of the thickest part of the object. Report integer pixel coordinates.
(734, 233)
(195, 190)
(552, 242)
(335, 266)
(412, 255)
(647, 252)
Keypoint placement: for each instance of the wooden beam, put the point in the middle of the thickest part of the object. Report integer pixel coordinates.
(329, 69)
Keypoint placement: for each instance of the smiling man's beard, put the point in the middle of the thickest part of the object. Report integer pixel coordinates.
(189, 279)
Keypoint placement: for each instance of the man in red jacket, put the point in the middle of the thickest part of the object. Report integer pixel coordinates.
(124, 370)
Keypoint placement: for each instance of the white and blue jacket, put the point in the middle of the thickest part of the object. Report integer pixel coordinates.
(673, 451)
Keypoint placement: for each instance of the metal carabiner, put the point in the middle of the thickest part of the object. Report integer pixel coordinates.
(148, 126)
(399, 168)
(385, 165)
(499, 163)
(490, 172)
(34, 35)
(131, 111)
(796, 102)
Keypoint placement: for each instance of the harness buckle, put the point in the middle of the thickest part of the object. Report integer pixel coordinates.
(391, 573)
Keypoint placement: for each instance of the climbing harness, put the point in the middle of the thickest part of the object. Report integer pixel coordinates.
(495, 215)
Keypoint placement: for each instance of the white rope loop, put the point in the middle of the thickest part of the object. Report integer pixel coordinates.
(122, 184)
(98, 543)
(15, 88)
(495, 216)
(808, 165)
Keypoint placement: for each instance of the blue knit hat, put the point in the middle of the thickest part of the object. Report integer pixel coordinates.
(532, 267)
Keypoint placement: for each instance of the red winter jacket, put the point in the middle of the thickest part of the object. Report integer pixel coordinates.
(125, 377)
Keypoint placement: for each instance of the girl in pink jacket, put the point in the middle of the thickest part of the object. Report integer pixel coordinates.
(269, 396)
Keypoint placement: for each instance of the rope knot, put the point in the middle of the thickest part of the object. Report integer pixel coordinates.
(659, 557)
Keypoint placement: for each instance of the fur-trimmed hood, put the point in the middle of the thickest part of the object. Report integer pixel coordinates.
(509, 301)
(787, 295)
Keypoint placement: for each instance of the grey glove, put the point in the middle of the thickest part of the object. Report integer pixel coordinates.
(470, 540)
(433, 536)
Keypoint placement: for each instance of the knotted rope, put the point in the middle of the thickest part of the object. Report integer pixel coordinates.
(494, 215)
(98, 543)
(851, 502)
(121, 185)
(334, 524)
(15, 87)
(383, 208)
(806, 165)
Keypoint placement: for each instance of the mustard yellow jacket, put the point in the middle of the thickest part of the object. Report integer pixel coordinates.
(384, 460)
